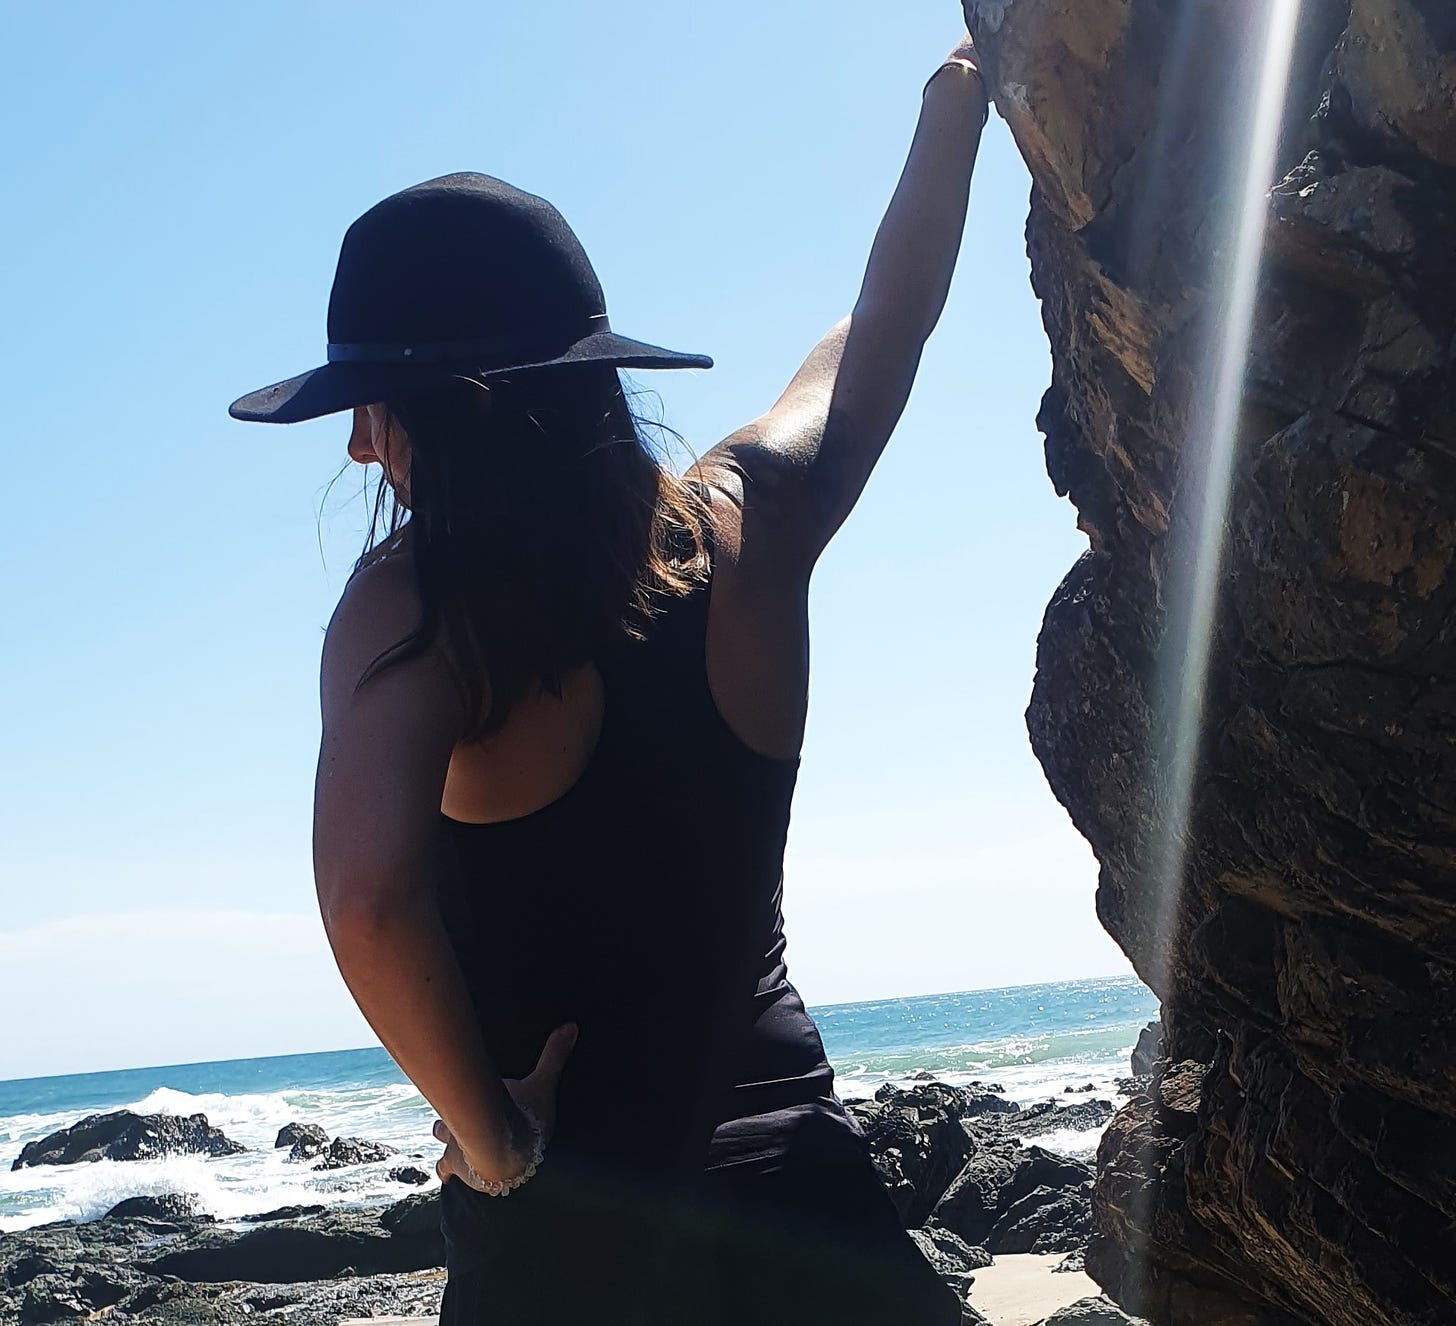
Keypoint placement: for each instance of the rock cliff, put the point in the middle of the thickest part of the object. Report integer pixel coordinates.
(1294, 1159)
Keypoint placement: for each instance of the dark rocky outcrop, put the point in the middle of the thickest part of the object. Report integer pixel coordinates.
(917, 1144)
(315, 1248)
(345, 1151)
(1040, 1119)
(1293, 1157)
(123, 1135)
(180, 1270)
(411, 1174)
(303, 1140)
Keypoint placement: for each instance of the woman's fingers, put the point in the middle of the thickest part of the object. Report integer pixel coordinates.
(557, 1051)
(442, 1133)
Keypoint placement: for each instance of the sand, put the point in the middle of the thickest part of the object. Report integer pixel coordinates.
(1021, 1290)
(1017, 1291)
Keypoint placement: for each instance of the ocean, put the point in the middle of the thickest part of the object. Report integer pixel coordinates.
(1032, 1042)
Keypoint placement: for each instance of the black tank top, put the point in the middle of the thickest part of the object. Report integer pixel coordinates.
(645, 903)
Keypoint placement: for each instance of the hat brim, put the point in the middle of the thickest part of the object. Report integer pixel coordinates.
(347, 384)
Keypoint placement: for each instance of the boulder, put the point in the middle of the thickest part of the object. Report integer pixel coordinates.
(951, 1247)
(413, 1217)
(1295, 911)
(917, 1144)
(412, 1174)
(1045, 1220)
(171, 1207)
(978, 1100)
(304, 1140)
(1098, 1311)
(1148, 1050)
(1039, 1168)
(971, 1205)
(343, 1152)
(123, 1135)
(953, 1260)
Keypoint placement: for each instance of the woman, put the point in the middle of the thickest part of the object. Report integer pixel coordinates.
(563, 701)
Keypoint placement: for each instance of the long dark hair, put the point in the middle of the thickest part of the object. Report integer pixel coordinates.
(540, 525)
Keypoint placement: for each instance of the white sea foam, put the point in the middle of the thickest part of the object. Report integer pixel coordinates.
(227, 1187)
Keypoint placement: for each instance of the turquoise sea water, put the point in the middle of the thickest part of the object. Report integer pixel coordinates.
(1032, 1041)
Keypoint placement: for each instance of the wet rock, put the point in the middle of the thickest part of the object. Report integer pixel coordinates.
(408, 1174)
(304, 1140)
(1039, 1120)
(170, 1206)
(978, 1100)
(285, 1213)
(1305, 948)
(345, 1151)
(917, 1144)
(123, 1135)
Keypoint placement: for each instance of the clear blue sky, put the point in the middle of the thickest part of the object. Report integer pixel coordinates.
(178, 178)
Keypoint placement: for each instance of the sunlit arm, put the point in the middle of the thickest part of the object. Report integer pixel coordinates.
(382, 765)
(804, 464)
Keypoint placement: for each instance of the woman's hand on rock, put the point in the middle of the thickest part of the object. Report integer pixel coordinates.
(965, 49)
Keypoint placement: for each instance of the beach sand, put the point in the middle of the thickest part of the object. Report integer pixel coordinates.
(1021, 1290)
(1018, 1290)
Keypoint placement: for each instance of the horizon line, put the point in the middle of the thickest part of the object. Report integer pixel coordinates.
(356, 1049)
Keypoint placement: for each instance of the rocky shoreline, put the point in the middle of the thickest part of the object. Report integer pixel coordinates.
(961, 1164)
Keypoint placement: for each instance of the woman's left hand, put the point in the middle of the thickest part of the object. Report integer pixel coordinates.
(535, 1094)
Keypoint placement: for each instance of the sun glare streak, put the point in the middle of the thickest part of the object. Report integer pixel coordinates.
(1213, 447)
(1218, 453)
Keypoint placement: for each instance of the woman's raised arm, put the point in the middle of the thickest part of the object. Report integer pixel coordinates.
(799, 469)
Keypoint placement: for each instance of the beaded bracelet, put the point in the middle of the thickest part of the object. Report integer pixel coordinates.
(957, 62)
(505, 1187)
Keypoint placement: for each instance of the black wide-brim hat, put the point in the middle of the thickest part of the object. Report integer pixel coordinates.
(458, 276)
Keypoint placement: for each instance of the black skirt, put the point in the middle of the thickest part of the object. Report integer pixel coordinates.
(807, 1239)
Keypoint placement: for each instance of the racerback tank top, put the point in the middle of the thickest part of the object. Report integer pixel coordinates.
(646, 904)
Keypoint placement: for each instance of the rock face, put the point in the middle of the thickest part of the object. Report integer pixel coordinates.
(126, 1136)
(917, 1143)
(1294, 1158)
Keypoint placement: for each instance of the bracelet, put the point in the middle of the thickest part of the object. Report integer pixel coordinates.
(958, 62)
(505, 1187)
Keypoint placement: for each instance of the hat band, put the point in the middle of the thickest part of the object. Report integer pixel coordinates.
(442, 352)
